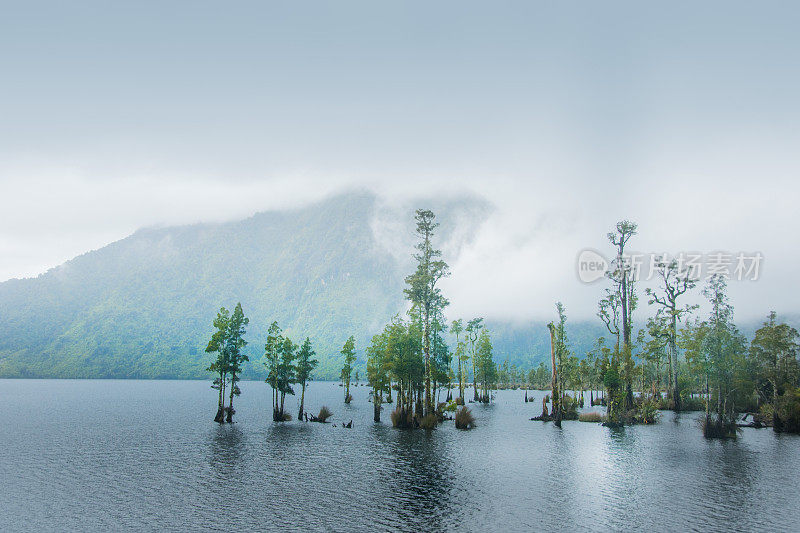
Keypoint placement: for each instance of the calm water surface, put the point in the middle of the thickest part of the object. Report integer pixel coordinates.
(146, 455)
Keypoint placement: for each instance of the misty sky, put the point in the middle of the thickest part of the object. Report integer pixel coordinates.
(682, 116)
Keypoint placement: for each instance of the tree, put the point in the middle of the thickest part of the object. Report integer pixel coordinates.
(422, 290)
(504, 373)
(349, 353)
(717, 347)
(622, 276)
(665, 323)
(558, 355)
(305, 366)
(235, 358)
(485, 366)
(285, 375)
(272, 354)
(218, 344)
(473, 330)
(379, 365)
(774, 350)
(456, 328)
(404, 346)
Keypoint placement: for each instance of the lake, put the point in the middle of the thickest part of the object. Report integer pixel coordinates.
(146, 455)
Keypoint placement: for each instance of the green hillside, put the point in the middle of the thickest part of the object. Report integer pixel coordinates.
(142, 307)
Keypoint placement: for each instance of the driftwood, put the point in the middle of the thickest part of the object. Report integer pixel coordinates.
(756, 421)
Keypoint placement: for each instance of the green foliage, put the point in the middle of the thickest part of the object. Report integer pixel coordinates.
(648, 412)
(427, 301)
(787, 411)
(349, 353)
(306, 363)
(227, 342)
(485, 367)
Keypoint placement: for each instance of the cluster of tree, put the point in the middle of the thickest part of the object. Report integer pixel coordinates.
(286, 364)
(412, 356)
(720, 373)
(227, 341)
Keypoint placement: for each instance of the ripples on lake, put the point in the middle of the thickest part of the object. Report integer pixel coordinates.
(111, 455)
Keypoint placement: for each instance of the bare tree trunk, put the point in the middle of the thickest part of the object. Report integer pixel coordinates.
(230, 410)
(555, 393)
(427, 361)
(377, 398)
(302, 401)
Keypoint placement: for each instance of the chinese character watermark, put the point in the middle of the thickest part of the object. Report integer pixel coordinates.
(739, 266)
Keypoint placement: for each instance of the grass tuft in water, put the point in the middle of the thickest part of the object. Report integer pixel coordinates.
(464, 419)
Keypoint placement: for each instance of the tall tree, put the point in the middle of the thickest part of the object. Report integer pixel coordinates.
(559, 353)
(622, 276)
(485, 366)
(719, 349)
(219, 366)
(235, 341)
(286, 374)
(306, 363)
(473, 330)
(349, 353)
(422, 288)
(272, 354)
(378, 368)
(665, 324)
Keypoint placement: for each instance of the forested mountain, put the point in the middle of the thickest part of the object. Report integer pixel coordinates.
(142, 306)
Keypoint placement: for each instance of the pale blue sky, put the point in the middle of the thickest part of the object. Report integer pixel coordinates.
(568, 117)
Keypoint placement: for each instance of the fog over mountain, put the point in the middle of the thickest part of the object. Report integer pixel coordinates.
(143, 306)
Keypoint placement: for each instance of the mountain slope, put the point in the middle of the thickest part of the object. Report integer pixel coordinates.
(142, 307)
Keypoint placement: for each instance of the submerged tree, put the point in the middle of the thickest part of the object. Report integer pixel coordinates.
(219, 344)
(485, 366)
(422, 288)
(349, 353)
(227, 341)
(379, 364)
(306, 363)
(285, 375)
(558, 357)
(774, 350)
(404, 347)
(669, 314)
(473, 330)
(235, 358)
(272, 355)
(622, 276)
(717, 347)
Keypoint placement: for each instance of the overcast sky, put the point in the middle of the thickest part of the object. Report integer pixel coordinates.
(682, 116)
